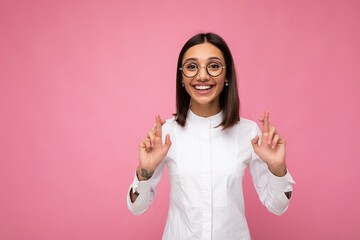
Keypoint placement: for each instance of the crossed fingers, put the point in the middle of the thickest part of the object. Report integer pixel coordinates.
(153, 138)
(270, 133)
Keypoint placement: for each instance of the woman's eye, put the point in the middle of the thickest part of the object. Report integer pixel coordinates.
(214, 66)
(191, 66)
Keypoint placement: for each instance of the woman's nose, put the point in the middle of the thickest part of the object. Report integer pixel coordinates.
(203, 74)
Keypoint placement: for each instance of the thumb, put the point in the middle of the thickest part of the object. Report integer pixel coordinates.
(167, 144)
(254, 143)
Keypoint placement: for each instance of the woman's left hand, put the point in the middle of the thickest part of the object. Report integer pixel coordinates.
(272, 147)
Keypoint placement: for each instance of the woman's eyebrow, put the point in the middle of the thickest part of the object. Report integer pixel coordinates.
(191, 59)
(212, 58)
(196, 59)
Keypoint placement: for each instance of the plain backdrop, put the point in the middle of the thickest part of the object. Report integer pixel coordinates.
(81, 82)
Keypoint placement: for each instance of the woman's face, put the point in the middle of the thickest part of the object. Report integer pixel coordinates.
(203, 88)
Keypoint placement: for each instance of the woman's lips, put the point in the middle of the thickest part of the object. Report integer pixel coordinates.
(203, 89)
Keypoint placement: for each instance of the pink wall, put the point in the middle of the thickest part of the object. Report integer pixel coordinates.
(79, 87)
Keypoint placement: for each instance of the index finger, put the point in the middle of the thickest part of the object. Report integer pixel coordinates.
(266, 124)
(158, 130)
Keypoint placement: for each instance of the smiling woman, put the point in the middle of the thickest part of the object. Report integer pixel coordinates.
(212, 148)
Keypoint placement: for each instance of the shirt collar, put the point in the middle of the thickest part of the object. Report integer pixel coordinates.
(212, 121)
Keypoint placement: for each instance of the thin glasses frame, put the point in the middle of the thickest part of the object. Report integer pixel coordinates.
(206, 67)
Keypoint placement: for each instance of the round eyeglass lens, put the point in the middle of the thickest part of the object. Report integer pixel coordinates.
(191, 69)
(214, 69)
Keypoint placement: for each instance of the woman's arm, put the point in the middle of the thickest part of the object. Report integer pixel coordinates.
(149, 170)
(145, 191)
(268, 168)
(142, 175)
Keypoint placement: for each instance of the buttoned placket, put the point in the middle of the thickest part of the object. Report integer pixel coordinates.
(206, 128)
(207, 180)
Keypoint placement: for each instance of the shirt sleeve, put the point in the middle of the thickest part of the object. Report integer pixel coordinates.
(146, 190)
(269, 187)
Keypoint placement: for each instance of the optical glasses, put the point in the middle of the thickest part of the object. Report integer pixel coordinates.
(191, 69)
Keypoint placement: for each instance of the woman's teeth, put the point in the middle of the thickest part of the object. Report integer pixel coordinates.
(203, 87)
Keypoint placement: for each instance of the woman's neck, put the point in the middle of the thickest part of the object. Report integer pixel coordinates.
(205, 110)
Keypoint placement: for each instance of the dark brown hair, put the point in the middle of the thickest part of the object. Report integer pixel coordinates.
(229, 97)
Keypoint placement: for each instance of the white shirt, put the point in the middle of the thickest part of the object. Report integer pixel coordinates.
(206, 166)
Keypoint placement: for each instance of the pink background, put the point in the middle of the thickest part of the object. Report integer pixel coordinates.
(81, 81)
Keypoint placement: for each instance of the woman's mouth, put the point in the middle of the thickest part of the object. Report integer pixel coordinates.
(203, 87)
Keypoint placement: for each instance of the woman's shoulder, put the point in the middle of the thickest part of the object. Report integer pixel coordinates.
(170, 120)
(169, 124)
(246, 124)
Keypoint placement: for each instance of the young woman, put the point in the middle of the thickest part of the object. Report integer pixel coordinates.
(206, 147)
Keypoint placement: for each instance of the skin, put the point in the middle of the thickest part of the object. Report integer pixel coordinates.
(152, 151)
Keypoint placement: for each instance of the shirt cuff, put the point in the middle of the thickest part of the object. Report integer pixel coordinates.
(141, 186)
(281, 184)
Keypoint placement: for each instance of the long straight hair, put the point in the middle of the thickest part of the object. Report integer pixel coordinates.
(229, 97)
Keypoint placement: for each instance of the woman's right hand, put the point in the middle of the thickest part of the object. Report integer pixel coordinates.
(152, 151)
